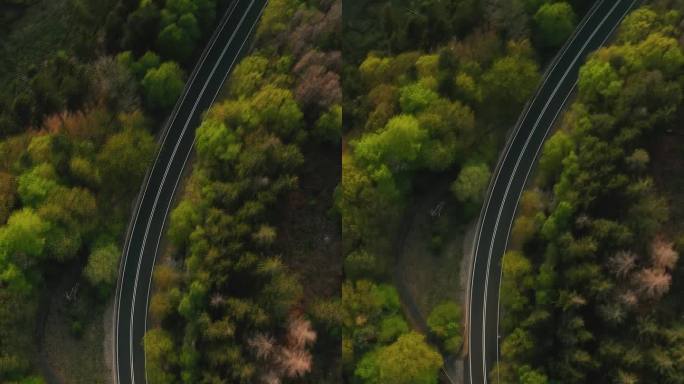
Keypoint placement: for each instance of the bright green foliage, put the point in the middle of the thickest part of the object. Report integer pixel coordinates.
(551, 161)
(445, 322)
(598, 80)
(391, 328)
(103, 265)
(35, 185)
(409, 360)
(23, 238)
(375, 69)
(451, 128)
(278, 110)
(215, 141)
(184, 218)
(471, 184)
(248, 76)
(555, 22)
(397, 145)
(415, 98)
(638, 24)
(163, 85)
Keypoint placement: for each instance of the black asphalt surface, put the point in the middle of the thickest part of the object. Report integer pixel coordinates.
(229, 41)
(506, 187)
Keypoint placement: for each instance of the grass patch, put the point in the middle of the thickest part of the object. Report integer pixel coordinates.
(73, 345)
(430, 262)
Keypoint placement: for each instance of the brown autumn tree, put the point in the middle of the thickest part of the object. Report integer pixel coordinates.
(663, 254)
(653, 283)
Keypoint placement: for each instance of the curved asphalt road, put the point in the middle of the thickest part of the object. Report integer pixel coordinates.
(146, 226)
(510, 177)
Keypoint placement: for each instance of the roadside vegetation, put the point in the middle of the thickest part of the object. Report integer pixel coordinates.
(250, 292)
(431, 89)
(79, 109)
(592, 286)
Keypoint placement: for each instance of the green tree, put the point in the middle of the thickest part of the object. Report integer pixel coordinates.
(23, 238)
(415, 97)
(391, 328)
(409, 360)
(598, 81)
(124, 158)
(517, 280)
(471, 184)
(103, 265)
(276, 18)
(163, 85)
(141, 26)
(554, 152)
(278, 110)
(35, 185)
(184, 218)
(445, 322)
(398, 144)
(248, 76)
(217, 143)
(638, 24)
(160, 356)
(510, 82)
(554, 22)
(177, 41)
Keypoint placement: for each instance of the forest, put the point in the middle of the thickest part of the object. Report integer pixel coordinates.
(77, 128)
(285, 260)
(234, 301)
(431, 89)
(592, 286)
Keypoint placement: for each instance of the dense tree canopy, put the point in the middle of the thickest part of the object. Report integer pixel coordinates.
(585, 289)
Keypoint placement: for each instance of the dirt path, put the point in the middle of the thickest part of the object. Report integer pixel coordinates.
(424, 278)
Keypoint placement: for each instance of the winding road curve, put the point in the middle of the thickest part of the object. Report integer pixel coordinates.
(152, 207)
(513, 169)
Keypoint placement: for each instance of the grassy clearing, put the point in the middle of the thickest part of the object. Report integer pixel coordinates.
(430, 263)
(71, 359)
